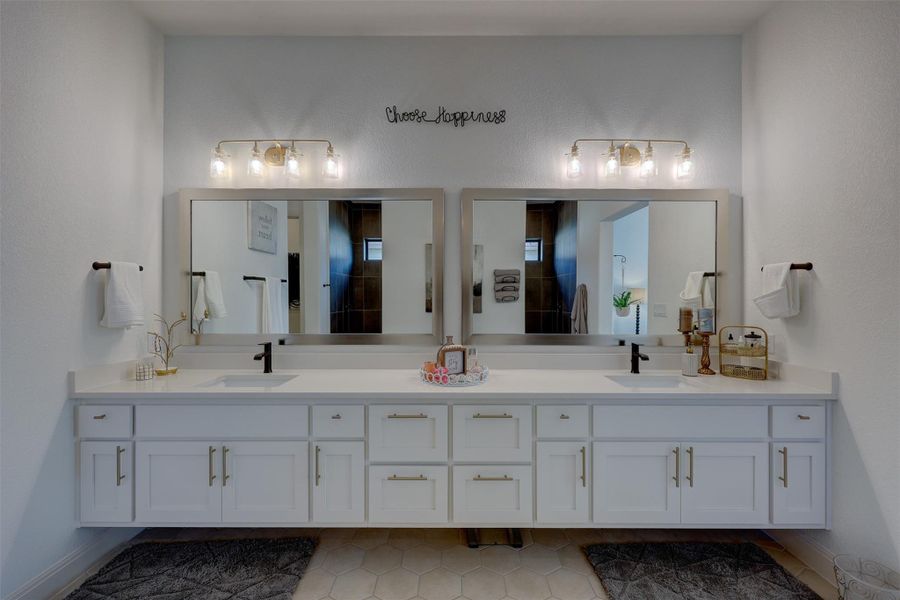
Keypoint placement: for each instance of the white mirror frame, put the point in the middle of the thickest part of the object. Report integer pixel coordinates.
(177, 262)
(729, 256)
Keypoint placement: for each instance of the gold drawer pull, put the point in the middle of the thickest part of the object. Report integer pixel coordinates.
(583, 466)
(225, 475)
(402, 478)
(690, 476)
(336, 417)
(784, 465)
(504, 478)
(318, 474)
(481, 416)
(212, 475)
(804, 417)
(99, 417)
(398, 416)
(564, 417)
(677, 477)
(119, 476)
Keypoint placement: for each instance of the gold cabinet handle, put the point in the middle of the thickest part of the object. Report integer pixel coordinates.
(99, 417)
(784, 465)
(583, 466)
(318, 475)
(212, 475)
(677, 478)
(336, 417)
(225, 475)
(501, 416)
(398, 416)
(119, 476)
(804, 417)
(504, 478)
(564, 417)
(690, 476)
(403, 478)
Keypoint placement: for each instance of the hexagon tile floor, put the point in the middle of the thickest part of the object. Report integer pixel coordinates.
(435, 564)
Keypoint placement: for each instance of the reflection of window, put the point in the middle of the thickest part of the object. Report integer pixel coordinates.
(533, 249)
(373, 248)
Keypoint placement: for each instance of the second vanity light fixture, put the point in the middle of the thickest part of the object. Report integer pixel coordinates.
(624, 153)
(281, 153)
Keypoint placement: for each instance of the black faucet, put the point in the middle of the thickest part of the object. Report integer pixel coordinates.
(265, 356)
(635, 355)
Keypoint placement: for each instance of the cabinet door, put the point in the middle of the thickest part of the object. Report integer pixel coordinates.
(492, 433)
(178, 482)
(725, 483)
(405, 433)
(637, 482)
(562, 485)
(107, 484)
(338, 482)
(265, 482)
(798, 483)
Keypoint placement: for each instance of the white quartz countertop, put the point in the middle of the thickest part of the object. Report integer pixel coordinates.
(404, 384)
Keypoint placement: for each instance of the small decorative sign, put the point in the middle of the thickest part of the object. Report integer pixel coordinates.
(443, 116)
(262, 234)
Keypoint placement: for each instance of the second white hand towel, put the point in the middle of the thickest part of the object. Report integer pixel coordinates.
(215, 299)
(274, 308)
(780, 296)
(124, 296)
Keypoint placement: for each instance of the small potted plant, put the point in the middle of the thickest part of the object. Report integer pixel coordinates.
(622, 303)
(163, 345)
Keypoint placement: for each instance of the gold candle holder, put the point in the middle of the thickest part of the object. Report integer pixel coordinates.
(704, 358)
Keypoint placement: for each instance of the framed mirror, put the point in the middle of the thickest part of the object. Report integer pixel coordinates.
(312, 266)
(590, 267)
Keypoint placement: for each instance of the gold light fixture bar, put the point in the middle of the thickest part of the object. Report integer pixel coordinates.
(282, 152)
(274, 154)
(623, 152)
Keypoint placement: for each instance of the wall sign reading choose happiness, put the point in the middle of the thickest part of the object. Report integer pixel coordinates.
(455, 118)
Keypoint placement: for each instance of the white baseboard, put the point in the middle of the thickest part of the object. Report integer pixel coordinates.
(71, 570)
(816, 557)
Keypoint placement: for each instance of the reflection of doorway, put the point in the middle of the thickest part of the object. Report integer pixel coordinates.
(551, 247)
(630, 238)
(355, 258)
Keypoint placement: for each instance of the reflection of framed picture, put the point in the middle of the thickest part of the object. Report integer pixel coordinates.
(262, 233)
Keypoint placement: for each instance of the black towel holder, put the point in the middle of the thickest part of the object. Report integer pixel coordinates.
(807, 266)
(97, 265)
(257, 278)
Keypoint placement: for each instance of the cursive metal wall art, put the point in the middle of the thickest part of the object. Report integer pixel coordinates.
(443, 116)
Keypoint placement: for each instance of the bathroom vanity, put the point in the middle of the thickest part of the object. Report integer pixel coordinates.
(529, 448)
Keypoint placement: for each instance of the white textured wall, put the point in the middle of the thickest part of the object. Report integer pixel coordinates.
(821, 124)
(500, 228)
(81, 180)
(554, 89)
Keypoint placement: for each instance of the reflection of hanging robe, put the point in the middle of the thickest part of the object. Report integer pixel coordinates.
(580, 311)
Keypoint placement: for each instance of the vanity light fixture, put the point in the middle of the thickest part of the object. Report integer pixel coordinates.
(623, 153)
(281, 153)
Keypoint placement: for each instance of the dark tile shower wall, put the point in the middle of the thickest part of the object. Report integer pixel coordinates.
(565, 259)
(365, 276)
(545, 309)
(340, 261)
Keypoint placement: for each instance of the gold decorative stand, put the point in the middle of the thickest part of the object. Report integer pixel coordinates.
(704, 358)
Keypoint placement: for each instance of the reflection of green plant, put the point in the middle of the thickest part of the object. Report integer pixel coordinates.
(163, 347)
(622, 300)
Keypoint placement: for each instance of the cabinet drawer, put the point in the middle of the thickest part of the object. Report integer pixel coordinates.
(494, 434)
(245, 421)
(491, 494)
(562, 421)
(402, 494)
(407, 433)
(98, 421)
(680, 422)
(338, 421)
(798, 421)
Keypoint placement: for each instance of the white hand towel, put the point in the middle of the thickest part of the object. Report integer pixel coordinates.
(580, 310)
(697, 291)
(215, 299)
(200, 312)
(274, 306)
(124, 297)
(780, 292)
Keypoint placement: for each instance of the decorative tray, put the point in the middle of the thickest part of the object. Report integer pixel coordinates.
(457, 380)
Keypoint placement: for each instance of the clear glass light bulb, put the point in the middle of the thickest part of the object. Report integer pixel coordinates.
(684, 165)
(648, 163)
(292, 164)
(573, 165)
(219, 165)
(256, 166)
(611, 163)
(332, 168)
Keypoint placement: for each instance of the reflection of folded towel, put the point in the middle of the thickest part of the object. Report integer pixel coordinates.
(499, 272)
(504, 297)
(697, 291)
(780, 292)
(124, 296)
(506, 287)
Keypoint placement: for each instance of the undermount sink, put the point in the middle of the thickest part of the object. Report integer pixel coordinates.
(248, 381)
(649, 381)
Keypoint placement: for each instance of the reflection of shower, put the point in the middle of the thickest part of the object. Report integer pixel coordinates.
(623, 261)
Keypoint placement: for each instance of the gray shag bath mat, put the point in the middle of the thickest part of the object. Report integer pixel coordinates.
(264, 569)
(693, 571)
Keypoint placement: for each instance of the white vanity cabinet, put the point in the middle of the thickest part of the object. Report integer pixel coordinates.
(265, 482)
(637, 483)
(725, 483)
(338, 482)
(562, 482)
(798, 478)
(178, 482)
(107, 482)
